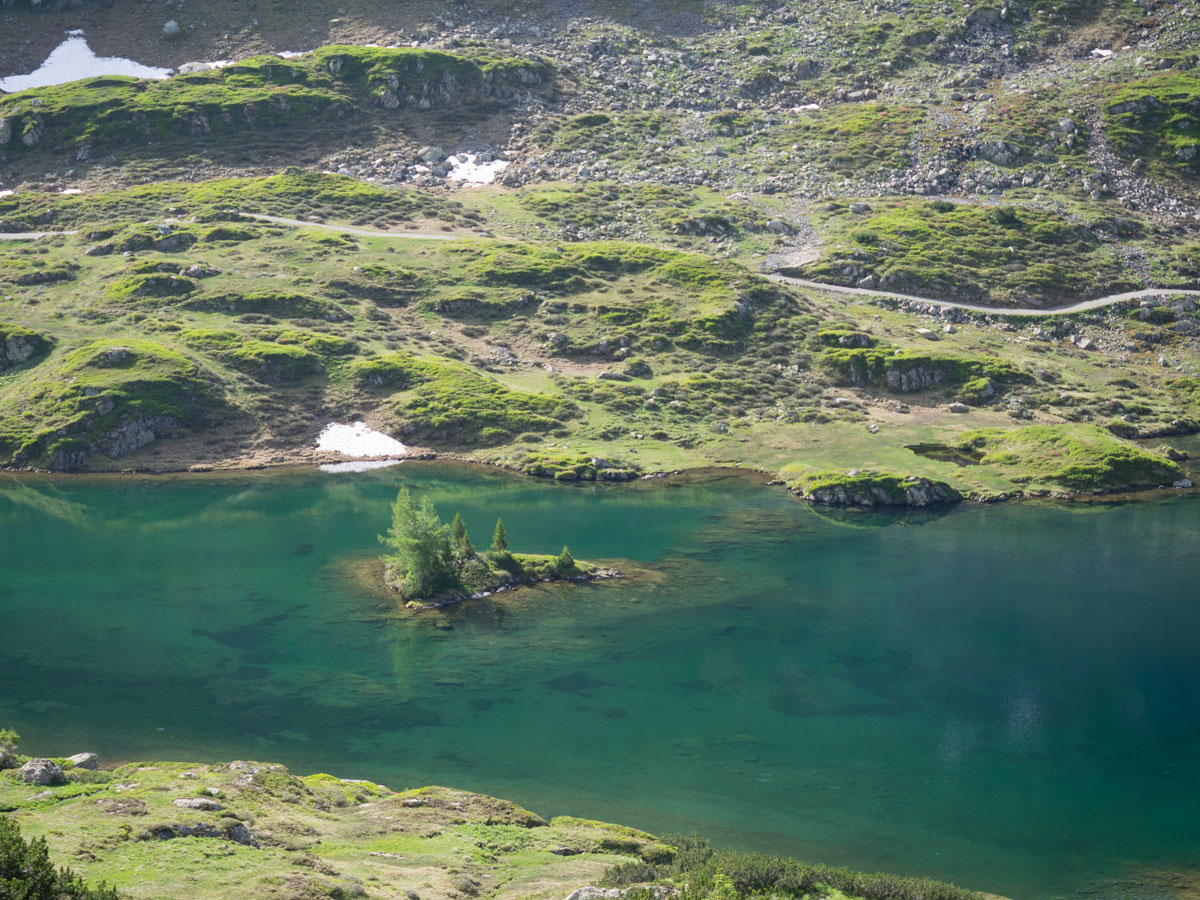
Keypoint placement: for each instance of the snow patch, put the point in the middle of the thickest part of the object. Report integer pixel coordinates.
(467, 168)
(359, 465)
(358, 440)
(73, 59)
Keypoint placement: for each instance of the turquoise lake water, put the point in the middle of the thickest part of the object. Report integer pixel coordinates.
(1003, 696)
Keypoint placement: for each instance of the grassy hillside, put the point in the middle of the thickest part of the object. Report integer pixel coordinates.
(602, 307)
(203, 336)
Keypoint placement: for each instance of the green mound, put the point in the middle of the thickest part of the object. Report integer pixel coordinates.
(973, 252)
(262, 359)
(152, 285)
(107, 397)
(1082, 458)
(911, 371)
(26, 271)
(442, 402)
(284, 304)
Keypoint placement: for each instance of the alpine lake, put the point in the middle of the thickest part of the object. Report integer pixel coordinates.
(1003, 696)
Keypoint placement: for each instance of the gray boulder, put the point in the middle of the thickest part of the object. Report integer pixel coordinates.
(431, 155)
(1002, 153)
(85, 760)
(594, 893)
(171, 29)
(44, 772)
(15, 351)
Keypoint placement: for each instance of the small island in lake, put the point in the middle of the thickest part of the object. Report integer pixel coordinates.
(431, 564)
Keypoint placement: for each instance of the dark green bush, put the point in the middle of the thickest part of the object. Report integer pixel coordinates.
(26, 872)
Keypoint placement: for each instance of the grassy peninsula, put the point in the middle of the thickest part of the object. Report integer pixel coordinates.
(248, 829)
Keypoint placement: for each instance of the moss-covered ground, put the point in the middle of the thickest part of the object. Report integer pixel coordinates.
(997, 254)
(262, 832)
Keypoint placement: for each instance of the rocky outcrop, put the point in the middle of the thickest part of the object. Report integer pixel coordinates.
(19, 345)
(1002, 153)
(136, 432)
(43, 772)
(236, 832)
(868, 489)
(918, 378)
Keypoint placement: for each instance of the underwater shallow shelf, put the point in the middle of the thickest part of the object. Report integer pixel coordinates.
(1003, 696)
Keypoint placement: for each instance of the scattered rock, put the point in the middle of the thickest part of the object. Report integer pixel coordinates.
(958, 408)
(171, 29)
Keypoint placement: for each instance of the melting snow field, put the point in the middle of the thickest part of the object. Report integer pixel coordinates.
(358, 440)
(73, 59)
(465, 167)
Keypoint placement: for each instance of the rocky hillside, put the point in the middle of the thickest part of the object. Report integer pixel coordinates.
(921, 182)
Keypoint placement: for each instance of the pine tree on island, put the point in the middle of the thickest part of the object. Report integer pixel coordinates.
(428, 561)
(500, 538)
(460, 542)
